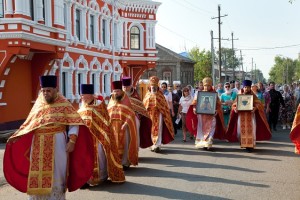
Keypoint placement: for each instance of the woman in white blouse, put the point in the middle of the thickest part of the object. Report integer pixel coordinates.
(184, 104)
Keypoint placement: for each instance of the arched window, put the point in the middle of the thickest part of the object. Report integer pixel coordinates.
(135, 38)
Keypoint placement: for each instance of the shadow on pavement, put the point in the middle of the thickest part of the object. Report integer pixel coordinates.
(215, 152)
(191, 164)
(146, 190)
(149, 172)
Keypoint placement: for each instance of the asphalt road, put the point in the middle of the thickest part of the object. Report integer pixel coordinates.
(180, 171)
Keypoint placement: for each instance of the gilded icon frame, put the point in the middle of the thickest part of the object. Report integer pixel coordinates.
(244, 102)
(206, 103)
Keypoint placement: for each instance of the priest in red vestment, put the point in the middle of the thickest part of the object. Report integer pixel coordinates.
(162, 126)
(94, 113)
(295, 131)
(142, 118)
(51, 150)
(247, 126)
(123, 124)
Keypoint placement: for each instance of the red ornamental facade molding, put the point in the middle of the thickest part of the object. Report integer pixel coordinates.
(80, 41)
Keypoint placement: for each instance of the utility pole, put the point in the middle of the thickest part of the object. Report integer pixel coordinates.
(233, 57)
(219, 22)
(255, 74)
(212, 58)
(252, 70)
(242, 64)
(287, 71)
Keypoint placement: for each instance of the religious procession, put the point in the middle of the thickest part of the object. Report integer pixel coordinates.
(56, 138)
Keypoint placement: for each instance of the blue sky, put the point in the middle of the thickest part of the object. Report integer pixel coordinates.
(258, 24)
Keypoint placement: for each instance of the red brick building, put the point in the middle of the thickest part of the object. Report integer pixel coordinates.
(80, 41)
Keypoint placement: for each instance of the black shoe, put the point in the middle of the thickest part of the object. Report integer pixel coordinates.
(85, 186)
(249, 150)
(157, 149)
(183, 140)
(125, 167)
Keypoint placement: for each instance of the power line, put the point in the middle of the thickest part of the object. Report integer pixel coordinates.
(194, 6)
(176, 33)
(266, 48)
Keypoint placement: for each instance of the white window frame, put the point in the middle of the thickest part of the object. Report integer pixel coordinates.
(106, 88)
(96, 73)
(117, 71)
(83, 73)
(105, 15)
(69, 80)
(142, 30)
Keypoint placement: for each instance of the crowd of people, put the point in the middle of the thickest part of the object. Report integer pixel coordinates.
(59, 147)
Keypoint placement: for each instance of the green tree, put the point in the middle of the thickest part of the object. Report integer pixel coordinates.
(202, 68)
(257, 76)
(285, 70)
(229, 60)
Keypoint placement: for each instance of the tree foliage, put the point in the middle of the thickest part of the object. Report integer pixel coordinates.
(203, 65)
(256, 76)
(285, 70)
(228, 58)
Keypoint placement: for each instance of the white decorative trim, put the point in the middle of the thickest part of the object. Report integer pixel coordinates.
(6, 71)
(41, 32)
(3, 104)
(136, 54)
(69, 80)
(25, 27)
(34, 24)
(12, 26)
(0, 95)
(108, 56)
(2, 27)
(2, 84)
(3, 51)
(13, 59)
(32, 37)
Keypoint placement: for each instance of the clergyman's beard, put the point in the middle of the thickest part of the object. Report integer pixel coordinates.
(128, 93)
(50, 100)
(118, 98)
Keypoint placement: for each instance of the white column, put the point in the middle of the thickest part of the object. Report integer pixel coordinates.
(59, 12)
(68, 20)
(9, 7)
(19, 6)
(97, 82)
(83, 27)
(96, 31)
(126, 34)
(39, 9)
(48, 12)
(74, 21)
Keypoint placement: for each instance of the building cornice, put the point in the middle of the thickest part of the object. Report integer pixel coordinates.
(32, 23)
(142, 6)
(102, 55)
(33, 37)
